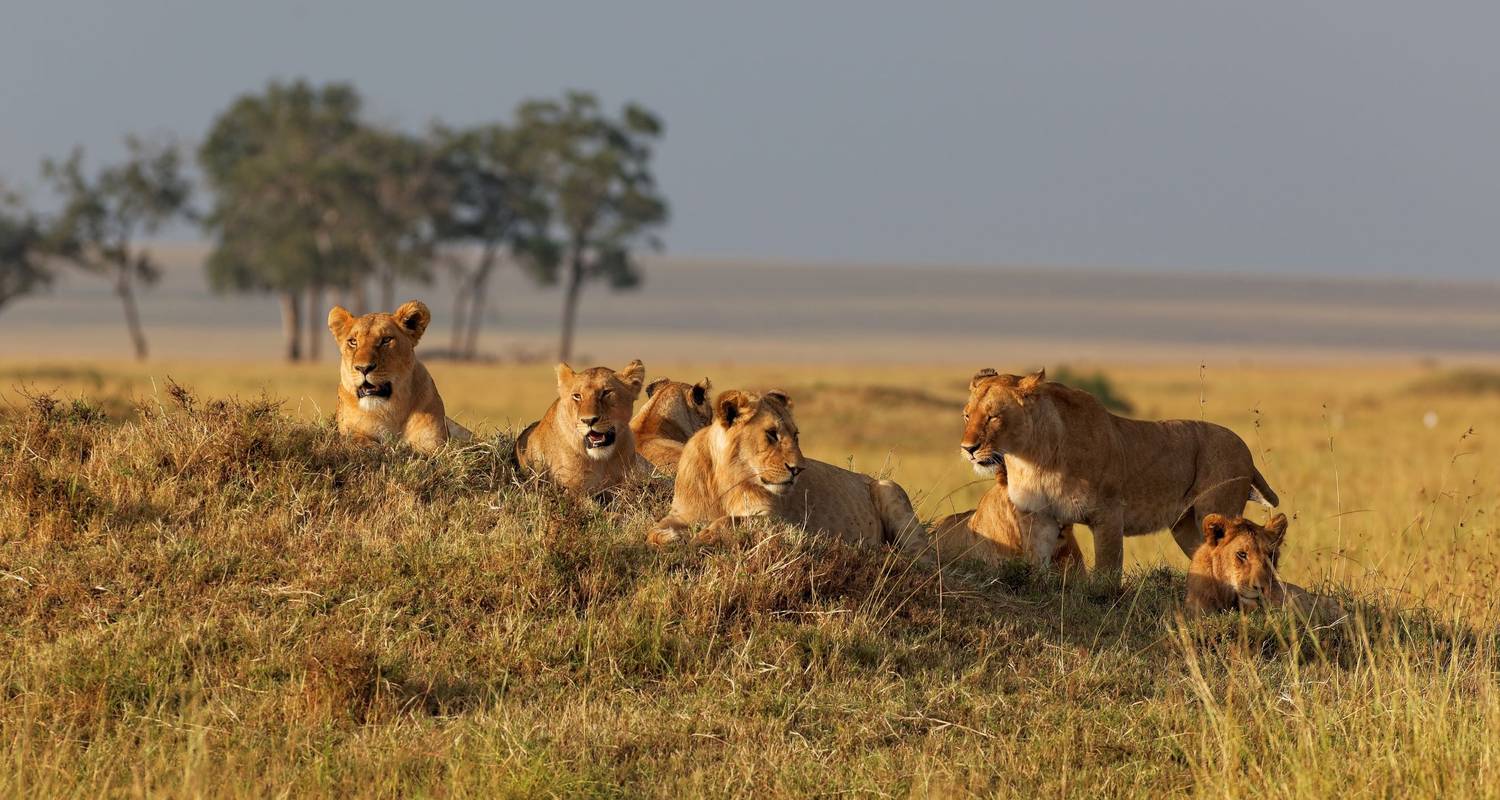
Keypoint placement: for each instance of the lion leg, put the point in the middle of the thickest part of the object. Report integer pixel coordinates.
(667, 530)
(898, 519)
(1188, 533)
(1109, 546)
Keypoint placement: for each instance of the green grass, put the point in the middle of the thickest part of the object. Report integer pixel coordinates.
(216, 599)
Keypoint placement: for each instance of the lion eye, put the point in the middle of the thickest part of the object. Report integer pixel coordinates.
(385, 340)
(772, 436)
(606, 393)
(1240, 555)
(352, 344)
(966, 416)
(577, 397)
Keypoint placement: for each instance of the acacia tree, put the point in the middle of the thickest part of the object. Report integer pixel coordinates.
(293, 199)
(104, 216)
(594, 171)
(491, 202)
(23, 268)
(404, 200)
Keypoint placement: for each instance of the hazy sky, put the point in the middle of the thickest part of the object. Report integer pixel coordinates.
(1351, 137)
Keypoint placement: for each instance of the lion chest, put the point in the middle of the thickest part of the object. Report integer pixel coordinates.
(1035, 490)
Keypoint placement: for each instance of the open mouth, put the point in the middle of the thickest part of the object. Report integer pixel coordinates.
(597, 439)
(368, 389)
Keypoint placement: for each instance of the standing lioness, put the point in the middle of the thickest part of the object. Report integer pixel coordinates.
(1071, 461)
(384, 391)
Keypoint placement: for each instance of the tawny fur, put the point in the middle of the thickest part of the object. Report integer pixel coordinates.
(991, 533)
(386, 345)
(1071, 461)
(594, 401)
(672, 413)
(748, 463)
(1235, 567)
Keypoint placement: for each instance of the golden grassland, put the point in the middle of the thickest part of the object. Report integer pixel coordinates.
(200, 598)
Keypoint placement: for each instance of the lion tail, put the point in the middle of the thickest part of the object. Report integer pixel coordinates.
(1260, 491)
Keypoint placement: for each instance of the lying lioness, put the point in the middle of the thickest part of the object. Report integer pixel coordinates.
(583, 441)
(672, 413)
(748, 463)
(1071, 461)
(384, 391)
(991, 533)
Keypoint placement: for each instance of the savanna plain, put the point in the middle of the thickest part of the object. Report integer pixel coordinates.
(205, 592)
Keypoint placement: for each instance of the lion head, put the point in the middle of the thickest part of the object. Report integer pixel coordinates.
(755, 439)
(674, 409)
(598, 401)
(998, 417)
(1236, 564)
(377, 351)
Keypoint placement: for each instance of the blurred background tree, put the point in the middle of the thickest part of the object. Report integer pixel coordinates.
(104, 216)
(594, 172)
(295, 206)
(23, 265)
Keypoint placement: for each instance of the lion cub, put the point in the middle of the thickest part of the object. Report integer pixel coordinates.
(991, 533)
(672, 413)
(748, 463)
(583, 442)
(384, 391)
(1235, 568)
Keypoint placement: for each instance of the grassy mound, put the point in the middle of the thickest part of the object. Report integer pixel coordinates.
(213, 599)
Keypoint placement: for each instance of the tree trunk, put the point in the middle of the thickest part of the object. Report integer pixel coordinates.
(315, 333)
(388, 289)
(291, 325)
(132, 317)
(570, 304)
(478, 296)
(460, 305)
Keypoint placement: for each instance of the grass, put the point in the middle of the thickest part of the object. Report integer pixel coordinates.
(221, 598)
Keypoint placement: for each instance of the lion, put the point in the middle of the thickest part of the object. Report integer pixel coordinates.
(672, 413)
(384, 391)
(583, 442)
(1237, 565)
(748, 463)
(1068, 460)
(991, 533)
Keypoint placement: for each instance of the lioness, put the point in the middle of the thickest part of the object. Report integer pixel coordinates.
(672, 413)
(991, 533)
(748, 463)
(1071, 461)
(583, 441)
(384, 391)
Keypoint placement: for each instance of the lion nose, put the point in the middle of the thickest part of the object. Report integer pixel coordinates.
(363, 369)
(794, 469)
(969, 448)
(589, 420)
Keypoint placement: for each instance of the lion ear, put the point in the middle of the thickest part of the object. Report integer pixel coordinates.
(338, 321)
(565, 377)
(1215, 526)
(413, 317)
(731, 405)
(981, 376)
(781, 397)
(1277, 528)
(700, 391)
(1034, 380)
(633, 375)
(654, 385)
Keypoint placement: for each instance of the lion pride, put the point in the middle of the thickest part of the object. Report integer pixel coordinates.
(583, 442)
(748, 463)
(1069, 460)
(672, 413)
(384, 391)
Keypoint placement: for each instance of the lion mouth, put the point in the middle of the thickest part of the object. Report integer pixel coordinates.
(368, 389)
(598, 439)
(778, 487)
